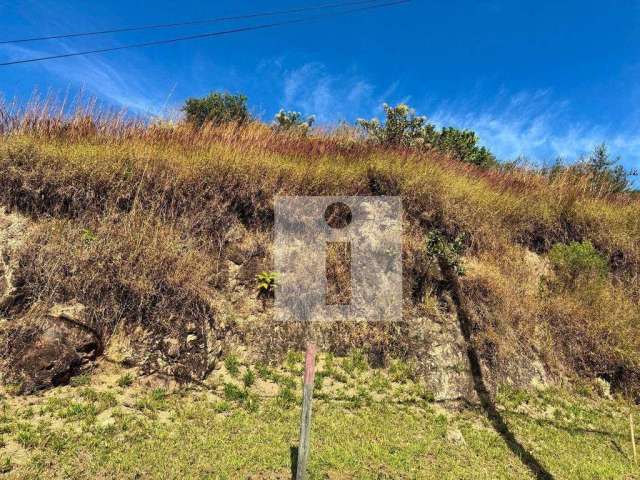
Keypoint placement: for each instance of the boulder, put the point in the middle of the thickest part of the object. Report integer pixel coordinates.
(46, 362)
(45, 352)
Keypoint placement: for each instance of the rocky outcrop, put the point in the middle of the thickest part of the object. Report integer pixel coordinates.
(13, 228)
(40, 348)
(43, 352)
(445, 363)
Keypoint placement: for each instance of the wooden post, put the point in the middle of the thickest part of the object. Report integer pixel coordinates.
(633, 439)
(305, 419)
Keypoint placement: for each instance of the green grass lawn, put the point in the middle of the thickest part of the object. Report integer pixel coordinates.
(98, 430)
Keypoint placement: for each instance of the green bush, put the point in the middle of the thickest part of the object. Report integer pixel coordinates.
(267, 281)
(576, 263)
(604, 174)
(125, 380)
(234, 393)
(217, 108)
(403, 128)
(440, 249)
(80, 380)
(607, 175)
(5, 465)
(286, 397)
(463, 145)
(249, 378)
(264, 372)
(356, 362)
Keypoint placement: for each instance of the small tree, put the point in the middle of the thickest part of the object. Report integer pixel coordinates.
(216, 108)
(603, 174)
(606, 172)
(404, 128)
(401, 128)
(463, 144)
(292, 121)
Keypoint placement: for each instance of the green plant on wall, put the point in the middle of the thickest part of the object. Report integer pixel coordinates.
(266, 283)
(449, 252)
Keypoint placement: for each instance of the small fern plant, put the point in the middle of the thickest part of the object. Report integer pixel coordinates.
(266, 283)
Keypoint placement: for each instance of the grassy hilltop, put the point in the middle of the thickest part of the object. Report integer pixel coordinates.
(158, 232)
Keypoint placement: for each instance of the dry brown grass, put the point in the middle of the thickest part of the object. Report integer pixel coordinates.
(137, 220)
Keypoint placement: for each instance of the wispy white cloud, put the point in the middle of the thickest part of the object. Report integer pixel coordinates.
(331, 97)
(535, 125)
(124, 87)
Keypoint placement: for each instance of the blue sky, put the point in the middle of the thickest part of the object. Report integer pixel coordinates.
(536, 78)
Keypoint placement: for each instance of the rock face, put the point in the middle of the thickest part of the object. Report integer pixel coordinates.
(47, 362)
(45, 352)
(12, 231)
(41, 348)
(446, 369)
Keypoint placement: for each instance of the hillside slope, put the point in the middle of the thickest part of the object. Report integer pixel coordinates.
(140, 245)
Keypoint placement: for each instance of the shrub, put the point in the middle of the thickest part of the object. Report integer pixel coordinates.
(5, 465)
(88, 236)
(158, 394)
(153, 401)
(249, 378)
(221, 406)
(606, 173)
(293, 361)
(463, 145)
(442, 250)
(293, 121)
(599, 173)
(577, 263)
(216, 108)
(264, 372)
(26, 435)
(234, 393)
(403, 128)
(80, 380)
(79, 411)
(402, 371)
(356, 362)
(232, 364)
(286, 397)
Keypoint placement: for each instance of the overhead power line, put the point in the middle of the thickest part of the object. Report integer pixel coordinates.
(210, 34)
(301, 9)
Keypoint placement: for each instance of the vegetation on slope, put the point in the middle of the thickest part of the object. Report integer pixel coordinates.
(140, 222)
(135, 222)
